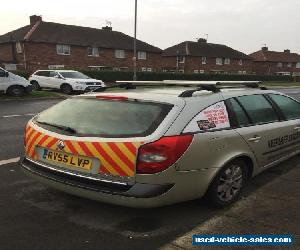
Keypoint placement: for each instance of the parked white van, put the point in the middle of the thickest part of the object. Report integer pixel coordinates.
(67, 81)
(12, 84)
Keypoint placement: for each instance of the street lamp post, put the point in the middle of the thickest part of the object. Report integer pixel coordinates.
(134, 43)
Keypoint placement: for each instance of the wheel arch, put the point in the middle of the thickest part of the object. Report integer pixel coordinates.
(248, 159)
(15, 85)
(65, 83)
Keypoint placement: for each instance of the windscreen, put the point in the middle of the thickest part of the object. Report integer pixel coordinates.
(103, 118)
(74, 75)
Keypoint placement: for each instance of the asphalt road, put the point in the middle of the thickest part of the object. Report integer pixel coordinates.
(13, 117)
(33, 216)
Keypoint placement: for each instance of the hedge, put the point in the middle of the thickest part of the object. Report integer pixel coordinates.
(112, 76)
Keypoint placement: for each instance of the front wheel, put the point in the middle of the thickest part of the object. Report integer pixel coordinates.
(66, 89)
(16, 91)
(228, 184)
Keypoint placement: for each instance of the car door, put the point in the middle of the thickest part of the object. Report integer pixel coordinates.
(290, 109)
(4, 80)
(54, 80)
(42, 77)
(259, 124)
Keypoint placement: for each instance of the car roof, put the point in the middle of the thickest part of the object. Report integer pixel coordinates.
(60, 70)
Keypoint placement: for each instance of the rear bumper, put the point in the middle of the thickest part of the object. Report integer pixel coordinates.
(87, 183)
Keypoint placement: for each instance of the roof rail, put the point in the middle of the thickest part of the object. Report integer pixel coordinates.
(213, 86)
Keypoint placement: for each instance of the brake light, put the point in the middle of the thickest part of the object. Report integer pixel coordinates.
(157, 156)
(112, 97)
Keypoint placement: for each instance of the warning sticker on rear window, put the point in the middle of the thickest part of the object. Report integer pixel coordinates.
(211, 118)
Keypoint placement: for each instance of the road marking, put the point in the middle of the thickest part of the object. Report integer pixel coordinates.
(11, 116)
(13, 160)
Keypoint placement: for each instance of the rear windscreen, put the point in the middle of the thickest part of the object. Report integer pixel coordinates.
(103, 118)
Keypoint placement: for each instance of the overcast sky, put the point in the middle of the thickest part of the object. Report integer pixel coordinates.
(244, 25)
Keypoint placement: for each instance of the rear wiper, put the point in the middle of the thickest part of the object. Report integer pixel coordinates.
(61, 127)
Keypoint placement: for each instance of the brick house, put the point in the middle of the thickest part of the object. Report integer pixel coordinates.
(266, 62)
(47, 45)
(202, 57)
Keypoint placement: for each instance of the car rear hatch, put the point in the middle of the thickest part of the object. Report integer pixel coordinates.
(99, 135)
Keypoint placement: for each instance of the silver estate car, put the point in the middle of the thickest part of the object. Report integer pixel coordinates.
(157, 143)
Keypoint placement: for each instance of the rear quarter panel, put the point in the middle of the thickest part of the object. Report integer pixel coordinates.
(214, 150)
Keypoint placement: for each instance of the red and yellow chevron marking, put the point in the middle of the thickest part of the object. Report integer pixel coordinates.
(117, 158)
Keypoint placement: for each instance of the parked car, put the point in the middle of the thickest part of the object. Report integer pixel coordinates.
(157, 146)
(65, 80)
(12, 84)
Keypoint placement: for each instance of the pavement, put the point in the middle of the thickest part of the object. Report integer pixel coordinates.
(33, 216)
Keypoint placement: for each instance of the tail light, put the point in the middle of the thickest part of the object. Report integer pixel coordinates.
(157, 156)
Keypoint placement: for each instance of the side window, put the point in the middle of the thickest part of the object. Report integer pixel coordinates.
(212, 118)
(289, 107)
(52, 73)
(43, 73)
(258, 109)
(240, 114)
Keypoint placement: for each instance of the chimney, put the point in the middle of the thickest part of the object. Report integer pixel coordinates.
(202, 40)
(107, 28)
(287, 51)
(265, 48)
(34, 19)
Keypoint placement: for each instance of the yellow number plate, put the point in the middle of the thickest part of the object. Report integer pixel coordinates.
(67, 159)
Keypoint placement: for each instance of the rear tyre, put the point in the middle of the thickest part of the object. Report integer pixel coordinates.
(16, 91)
(66, 89)
(228, 184)
(35, 85)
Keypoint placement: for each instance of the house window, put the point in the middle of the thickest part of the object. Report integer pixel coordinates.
(289, 65)
(298, 65)
(144, 69)
(227, 61)
(201, 71)
(120, 53)
(62, 49)
(219, 61)
(203, 60)
(181, 59)
(18, 47)
(196, 71)
(181, 71)
(279, 65)
(142, 55)
(92, 51)
(241, 62)
(149, 69)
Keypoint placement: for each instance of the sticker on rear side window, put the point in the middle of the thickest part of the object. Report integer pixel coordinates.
(211, 118)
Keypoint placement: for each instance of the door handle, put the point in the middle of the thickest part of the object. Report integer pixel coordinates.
(296, 128)
(256, 138)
